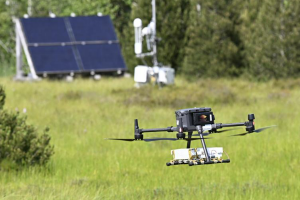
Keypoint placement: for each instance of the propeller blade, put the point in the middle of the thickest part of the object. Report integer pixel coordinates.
(155, 139)
(170, 139)
(241, 134)
(158, 139)
(264, 128)
(255, 131)
(126, 140)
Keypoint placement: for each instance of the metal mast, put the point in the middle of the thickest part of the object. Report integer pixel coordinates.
(155, 63)
(29, 8)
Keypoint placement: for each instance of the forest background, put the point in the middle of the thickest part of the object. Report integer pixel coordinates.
(230, 38)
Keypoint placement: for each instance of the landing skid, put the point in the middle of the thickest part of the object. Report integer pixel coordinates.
(196, 162)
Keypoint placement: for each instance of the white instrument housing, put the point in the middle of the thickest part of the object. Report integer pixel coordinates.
(165, 75)
(138, 45)
(198, 153)
(141, 74)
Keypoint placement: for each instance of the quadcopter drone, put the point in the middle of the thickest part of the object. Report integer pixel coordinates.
(189, 120)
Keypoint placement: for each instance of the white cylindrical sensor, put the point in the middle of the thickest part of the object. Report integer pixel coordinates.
(137, 23)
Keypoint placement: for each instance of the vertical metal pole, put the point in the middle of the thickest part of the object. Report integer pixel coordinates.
(25, 48)
(19, 71)
(199, 129)
(29, 8)
(155, 63)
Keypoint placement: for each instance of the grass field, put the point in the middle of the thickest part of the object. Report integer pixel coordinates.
(85, 166)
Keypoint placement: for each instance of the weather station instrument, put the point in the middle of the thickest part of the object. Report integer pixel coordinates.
(202, 121)
(143, 74)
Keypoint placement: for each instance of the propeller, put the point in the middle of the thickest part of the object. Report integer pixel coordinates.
(255, 131)
(127, 140)
(156, 139)
(172, 139)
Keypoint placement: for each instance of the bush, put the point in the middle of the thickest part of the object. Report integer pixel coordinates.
(20, 144)
(2, 97)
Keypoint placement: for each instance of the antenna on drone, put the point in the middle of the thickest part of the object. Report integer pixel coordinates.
(143, 74)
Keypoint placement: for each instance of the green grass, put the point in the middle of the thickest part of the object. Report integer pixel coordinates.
(85, 166)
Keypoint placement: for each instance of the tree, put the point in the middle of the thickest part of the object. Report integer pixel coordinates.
(214, 46)
(272, 42)
(2, 97)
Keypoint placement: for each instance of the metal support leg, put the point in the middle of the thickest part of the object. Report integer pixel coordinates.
(189, 141)
(200, 131)
(21, 35)
(19, 71)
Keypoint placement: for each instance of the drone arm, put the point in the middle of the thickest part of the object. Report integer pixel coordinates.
(230, 125)
(249, 124)
(168, 129)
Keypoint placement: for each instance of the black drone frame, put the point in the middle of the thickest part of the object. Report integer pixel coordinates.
(138, 133)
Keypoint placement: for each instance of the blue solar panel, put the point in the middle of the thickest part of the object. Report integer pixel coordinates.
(45, 30)
(93, 28)
(101, 57)
(55, 44)
(53, 59)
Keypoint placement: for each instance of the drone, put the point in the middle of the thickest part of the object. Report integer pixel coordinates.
(202, 121)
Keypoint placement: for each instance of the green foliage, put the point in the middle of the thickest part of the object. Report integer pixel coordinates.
(2, 97)
(20, 144)
(171, 28)
(214, 44)
(272, 41)
(199, 38)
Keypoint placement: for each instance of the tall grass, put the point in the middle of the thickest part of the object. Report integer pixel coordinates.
(86, 166)
(7, 69)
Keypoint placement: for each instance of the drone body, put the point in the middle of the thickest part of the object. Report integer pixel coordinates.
(202, 121)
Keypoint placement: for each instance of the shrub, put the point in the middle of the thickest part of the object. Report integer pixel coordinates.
(20, 144)
(2, 97)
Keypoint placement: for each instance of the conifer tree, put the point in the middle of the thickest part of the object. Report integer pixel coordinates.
(272, 42)
(214, 47)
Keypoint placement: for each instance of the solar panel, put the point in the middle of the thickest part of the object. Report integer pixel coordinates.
(93, 28)
(53, 59)
(73, 44)
(45, 30)
(103, 57)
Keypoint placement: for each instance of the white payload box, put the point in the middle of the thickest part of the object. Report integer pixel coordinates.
(215, 152)
(183, 154)
(198, 153)
(180, 154)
